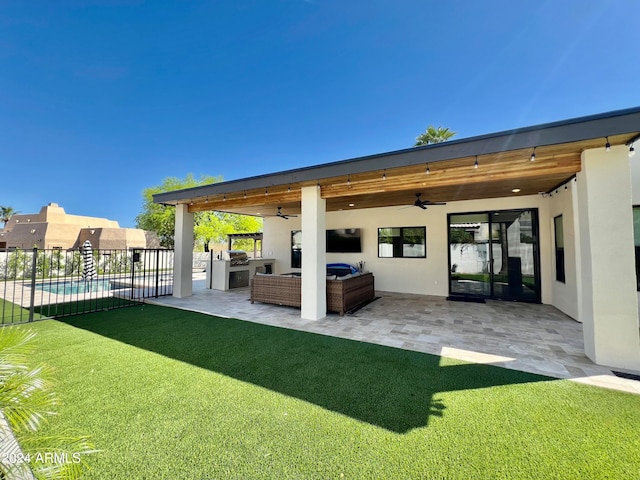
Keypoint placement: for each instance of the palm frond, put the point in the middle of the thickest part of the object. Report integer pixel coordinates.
(26, 397)
(26, 401)
(434, 135)
(62, 456)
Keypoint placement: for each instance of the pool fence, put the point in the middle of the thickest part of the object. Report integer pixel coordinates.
(47, 283)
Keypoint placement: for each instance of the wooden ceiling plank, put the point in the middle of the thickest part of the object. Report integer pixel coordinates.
(452, 178)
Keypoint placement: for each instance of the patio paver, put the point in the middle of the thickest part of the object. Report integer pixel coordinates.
(528, 337)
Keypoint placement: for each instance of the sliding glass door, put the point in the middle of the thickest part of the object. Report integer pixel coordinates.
(469, 255)
(494, 255)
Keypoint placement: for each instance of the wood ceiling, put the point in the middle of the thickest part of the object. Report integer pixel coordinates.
(497, 175)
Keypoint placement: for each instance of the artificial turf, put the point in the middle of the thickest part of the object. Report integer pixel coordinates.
(11, 313)
(167, 393)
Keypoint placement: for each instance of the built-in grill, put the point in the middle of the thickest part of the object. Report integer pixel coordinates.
(237, 257)
(238, 277)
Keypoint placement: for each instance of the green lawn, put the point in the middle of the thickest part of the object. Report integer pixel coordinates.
(83, 305)
(171, 394)
(12, 313)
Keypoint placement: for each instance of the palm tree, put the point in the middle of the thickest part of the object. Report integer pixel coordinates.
(26, 402)
(6, 213)
(434, 135)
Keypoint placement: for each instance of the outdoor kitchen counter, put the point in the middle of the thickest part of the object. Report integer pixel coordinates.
(220, 272)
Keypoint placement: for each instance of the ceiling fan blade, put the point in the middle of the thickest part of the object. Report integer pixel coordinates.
(423, 203)
(282, 215)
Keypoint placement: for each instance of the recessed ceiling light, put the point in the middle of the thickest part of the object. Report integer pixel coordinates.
(352, 204)
(515, 190)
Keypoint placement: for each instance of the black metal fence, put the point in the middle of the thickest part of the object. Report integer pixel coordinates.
(36, 284)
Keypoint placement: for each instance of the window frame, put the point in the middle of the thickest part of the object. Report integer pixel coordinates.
(636, 245)
(296, 254)
(560, 267)
(399, 247)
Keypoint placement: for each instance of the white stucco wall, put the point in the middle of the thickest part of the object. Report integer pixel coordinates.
(314, 288)
(564, 295)
(609, 297)
(183, 264)
(428, 276)
(634, 164)
(276, 241)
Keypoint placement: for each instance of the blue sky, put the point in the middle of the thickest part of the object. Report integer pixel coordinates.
(101, 99)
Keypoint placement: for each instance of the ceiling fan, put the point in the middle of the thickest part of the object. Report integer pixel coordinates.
(423, 203)
(281, 215)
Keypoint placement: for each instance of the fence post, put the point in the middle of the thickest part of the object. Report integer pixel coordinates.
(157, 271)
(210, 269)
(34, 264)
(133, 272)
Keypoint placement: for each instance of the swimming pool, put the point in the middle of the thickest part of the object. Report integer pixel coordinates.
(75, 287)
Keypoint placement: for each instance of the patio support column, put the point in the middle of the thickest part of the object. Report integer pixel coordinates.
(609, 298)
(314, 255)
(183, 259)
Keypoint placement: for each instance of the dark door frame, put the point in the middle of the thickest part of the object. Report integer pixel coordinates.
(536, 254)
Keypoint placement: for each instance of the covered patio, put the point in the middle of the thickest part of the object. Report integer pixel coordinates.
(564, 192)
(520, 336)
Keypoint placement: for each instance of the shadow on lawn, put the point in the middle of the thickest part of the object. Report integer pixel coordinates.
(392, 388)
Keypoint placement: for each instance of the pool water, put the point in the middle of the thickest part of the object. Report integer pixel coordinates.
(74, 287)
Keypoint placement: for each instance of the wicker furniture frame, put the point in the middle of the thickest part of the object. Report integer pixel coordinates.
(342, 295)
(277, 289)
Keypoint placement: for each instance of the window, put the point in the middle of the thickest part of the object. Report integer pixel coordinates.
(559, 234)
(636, 242)
(402, 242)
(296, 248)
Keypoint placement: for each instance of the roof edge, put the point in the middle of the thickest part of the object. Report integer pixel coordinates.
(550, 133)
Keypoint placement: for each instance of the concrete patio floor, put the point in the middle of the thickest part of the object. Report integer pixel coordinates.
(528, 337)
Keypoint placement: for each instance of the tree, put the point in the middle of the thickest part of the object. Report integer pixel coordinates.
(208, 226)
(215, 226)
(434, 135)
(6, 213)
(160, 219)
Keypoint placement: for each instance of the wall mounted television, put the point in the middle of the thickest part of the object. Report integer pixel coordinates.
(344, 240)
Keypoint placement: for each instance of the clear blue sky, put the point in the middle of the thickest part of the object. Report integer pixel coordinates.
(100, 99)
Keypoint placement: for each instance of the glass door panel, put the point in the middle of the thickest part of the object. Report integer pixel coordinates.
(469, 255)
(517, 277)
(495, 255)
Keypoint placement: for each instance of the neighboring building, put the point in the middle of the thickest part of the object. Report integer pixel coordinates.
(543, 214)
(54, 228)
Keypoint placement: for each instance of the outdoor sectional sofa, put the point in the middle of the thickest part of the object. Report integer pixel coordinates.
(343, 293)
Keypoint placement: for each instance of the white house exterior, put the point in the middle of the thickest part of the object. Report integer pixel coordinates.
(557, 230)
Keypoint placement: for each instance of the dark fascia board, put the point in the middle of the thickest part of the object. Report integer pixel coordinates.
(257, 235)
(567, 131)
